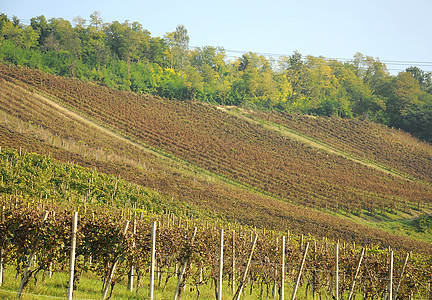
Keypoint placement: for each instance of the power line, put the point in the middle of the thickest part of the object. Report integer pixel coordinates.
(279, 55)
(387, 62)
(394, 63)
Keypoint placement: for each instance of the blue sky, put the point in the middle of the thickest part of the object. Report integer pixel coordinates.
(390, 30)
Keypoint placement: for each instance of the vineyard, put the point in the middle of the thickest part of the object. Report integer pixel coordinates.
(392, 148)
(217, 201)
(235, 150)
(105, 193)
(38, 197)
(104, 240)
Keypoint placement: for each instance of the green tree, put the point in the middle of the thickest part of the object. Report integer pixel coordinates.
(64, 36)
(128, 41)
(95, 20)
(157, 50)
(405, 95)
(370, 70)
(418, 121)
(363, 102)
(41, 26)
(179, 44)
(255, 85)
(212, 57)
(424, 78)
(21, 36)
(194, 82)
(93, 38)
(299, 78)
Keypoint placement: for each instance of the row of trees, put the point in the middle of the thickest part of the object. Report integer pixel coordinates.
(125, 56)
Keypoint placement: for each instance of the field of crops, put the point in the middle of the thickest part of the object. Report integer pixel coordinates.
(209, 198)
(236, 150)
(39, 195)
(102, 241)
(367, 140)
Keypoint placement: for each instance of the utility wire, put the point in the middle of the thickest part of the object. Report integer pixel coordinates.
(398, 65)
(279, 55)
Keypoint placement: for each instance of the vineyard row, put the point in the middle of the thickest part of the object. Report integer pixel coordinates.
(367, 140)
(115, 245)
(231, 148)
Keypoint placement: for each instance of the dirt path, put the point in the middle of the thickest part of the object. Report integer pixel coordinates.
(68, 113)
(283, 131)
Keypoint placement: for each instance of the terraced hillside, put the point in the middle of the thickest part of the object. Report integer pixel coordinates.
(202, 156)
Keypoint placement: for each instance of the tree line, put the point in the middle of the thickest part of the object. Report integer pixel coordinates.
(125, 56)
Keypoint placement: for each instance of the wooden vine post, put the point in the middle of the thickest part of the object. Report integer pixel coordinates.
(351, 292)
(337, 272)
(153, 258)
(183, 269)
(275, 283)
(30, 261)
(221, 264)
(233, 264)
(131, 272)
(1, 249)
(401, 276)
(282, 285)
(390, 287)
(300, 273)
(301, 242)
(243, 281)
(72, 255)
(111, 274)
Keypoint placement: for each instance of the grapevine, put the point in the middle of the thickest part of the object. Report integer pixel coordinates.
(101, 242)
(228, 146)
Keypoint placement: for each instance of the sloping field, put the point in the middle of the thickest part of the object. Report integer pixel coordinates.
(123, 150)
(236, 150)
(35, 185)
(393, 149)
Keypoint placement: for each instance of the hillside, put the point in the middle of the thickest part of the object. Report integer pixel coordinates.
(215, 161)
(33, 185)
(124, 56)
(392, 149)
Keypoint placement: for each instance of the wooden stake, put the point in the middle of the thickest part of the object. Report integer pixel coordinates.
(351, 292)
(221, 264)
(233, 263)
(1, 249)
(131, 272)
(30, 261)
(401, 276)
(153, 256)
(243, 281)
(111, 275)
(183, 270)
(275, 283)
(301, 242)
(72, 255)
(300, 272)
(337, 272)
(390, 287)
(282, 286)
